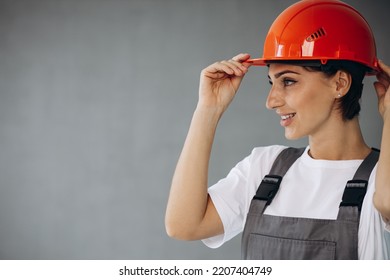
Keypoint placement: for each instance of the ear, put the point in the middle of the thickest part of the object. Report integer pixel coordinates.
(343, 82)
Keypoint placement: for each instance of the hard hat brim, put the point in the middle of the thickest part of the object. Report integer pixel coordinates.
(265, 62)
(256, 62)
(371, 70)
(306, 62)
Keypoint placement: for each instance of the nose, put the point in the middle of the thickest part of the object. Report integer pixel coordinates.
(274, 99)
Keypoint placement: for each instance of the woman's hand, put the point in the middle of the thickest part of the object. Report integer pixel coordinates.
(382, 179)
(382, 89)
(220, 81)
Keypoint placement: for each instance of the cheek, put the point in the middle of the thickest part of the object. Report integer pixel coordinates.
(313, 105)
(317, 99)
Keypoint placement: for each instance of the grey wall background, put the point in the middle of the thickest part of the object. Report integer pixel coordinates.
(95, 101)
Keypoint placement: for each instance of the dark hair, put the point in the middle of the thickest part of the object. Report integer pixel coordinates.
(349, 104)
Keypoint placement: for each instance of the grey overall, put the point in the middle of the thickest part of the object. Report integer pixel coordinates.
(274, 237)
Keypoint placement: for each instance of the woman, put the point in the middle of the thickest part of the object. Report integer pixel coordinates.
(330, 200)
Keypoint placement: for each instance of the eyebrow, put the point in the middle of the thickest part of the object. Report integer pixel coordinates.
(277, 75)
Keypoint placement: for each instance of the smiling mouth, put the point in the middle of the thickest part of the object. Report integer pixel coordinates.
(286, 117)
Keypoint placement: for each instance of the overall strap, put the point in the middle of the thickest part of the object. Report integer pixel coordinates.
(266, 192)
(270, 183)
(356, 188)
(368, 164)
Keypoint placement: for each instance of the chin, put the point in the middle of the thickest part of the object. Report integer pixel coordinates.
(292, 135)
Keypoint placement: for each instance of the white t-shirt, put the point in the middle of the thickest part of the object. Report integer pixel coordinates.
(310, 188)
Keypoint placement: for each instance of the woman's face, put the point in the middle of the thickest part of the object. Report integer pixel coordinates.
(304, 100)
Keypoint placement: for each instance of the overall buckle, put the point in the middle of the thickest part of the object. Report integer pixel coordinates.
(268, 188)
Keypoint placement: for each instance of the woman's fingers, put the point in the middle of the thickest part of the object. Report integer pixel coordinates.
(237, 68)
(383, 78)
(232, 67)
(385, 68)
(382, 88)
(241, 57)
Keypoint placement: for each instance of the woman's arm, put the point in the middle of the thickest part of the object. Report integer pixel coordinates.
(382, 187)
(190, 213)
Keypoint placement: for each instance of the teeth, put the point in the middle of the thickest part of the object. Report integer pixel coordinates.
(285, 117)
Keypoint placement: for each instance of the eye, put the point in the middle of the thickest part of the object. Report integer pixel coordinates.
(270, 82)
(288, 82)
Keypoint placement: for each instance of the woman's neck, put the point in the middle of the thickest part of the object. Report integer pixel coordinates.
(343, 142)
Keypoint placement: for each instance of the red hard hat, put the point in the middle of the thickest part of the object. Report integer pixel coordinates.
(320, 30)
